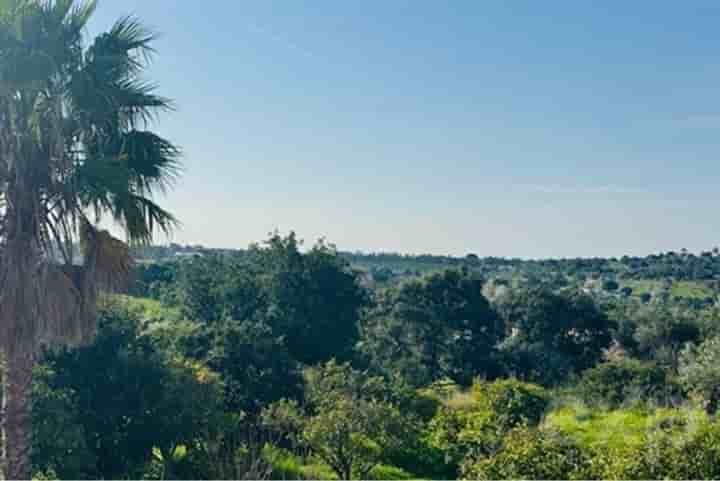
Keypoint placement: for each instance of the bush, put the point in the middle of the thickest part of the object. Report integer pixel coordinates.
(390, 473)
(610, 286)
(699, 457)
(700, 372)
(617, 382)
(532, 454)
(286, 465)
(511, 401)
(652, 458)
(477, 427)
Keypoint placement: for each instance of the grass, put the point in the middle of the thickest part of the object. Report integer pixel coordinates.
(150, 309)
(684, 289)
(689, 289)
(594, 427)
(286, 465)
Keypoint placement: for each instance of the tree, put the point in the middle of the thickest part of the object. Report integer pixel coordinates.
(348, 421)
(438, 326)
(255, 365)
(314, 299)
(552, 334)
(610, 285)
(130, 398)
(73, 147)
(700, 372)
(662, 333)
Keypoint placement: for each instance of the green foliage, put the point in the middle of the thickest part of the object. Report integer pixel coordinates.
(125, 399)
(700, 372)
(391, 473)
(662, 332)
(651, 457)
(348, 421)
(440, 326)
(699, 456)
(553, 334)
(312, 300)
(594, 428)
(477, 425)
(60, 447)
(315, 299)
(511, 401)
(617, 382)
(680, 451)
(528, 453)
(286, 465)
(254, 363)
(611, 286)
(213, 378)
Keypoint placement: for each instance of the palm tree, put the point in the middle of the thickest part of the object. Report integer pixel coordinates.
(74, 149)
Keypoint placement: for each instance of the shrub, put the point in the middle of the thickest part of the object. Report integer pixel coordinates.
(610, 286)
(477, 427)
(512, 402)
(652, 458)
(390, 473)
(617, 382)
(699, 456)
(700, 372)
(529, 453)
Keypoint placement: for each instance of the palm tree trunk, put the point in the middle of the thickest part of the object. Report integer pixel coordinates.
(16, 412)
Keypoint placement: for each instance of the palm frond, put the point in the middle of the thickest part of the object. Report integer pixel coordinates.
(130, 35)
(141, 218)
(153, 161)
(106, 259)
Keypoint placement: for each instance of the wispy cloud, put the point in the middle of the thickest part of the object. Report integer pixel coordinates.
(279, 39)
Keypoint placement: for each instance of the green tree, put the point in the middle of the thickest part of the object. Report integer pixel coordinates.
(435, 327)
(130, 398)
(700, 372)
(662, 333)
(552, 334)
(315, 299)
(610, 285)
(255, 364)
(73, 147)
(348, 419)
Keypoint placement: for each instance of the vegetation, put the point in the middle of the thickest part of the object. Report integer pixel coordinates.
(281, 361)
(440, 376)
(74, 149)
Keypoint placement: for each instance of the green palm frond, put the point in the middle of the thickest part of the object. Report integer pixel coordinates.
(153, 162)
(141, 217)
(129, 35)
(108, 89)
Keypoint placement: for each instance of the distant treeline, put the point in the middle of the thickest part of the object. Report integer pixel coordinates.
(681, 265)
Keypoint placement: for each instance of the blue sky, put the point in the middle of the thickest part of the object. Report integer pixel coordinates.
(513, 128)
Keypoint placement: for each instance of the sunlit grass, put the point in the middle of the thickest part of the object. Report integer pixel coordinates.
(622, 427)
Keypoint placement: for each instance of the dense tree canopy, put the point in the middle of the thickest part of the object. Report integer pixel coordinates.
(435, 327)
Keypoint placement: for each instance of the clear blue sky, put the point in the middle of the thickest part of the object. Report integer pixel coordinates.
(514, 128)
